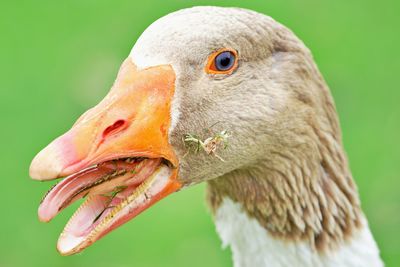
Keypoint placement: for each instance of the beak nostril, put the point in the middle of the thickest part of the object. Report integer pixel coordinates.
(114, 128)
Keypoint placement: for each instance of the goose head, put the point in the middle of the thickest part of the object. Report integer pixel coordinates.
(215, 74)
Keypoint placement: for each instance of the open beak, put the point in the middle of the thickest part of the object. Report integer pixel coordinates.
(117, 155)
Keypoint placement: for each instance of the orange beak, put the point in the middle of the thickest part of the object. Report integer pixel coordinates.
(132, 120)
(117, 154)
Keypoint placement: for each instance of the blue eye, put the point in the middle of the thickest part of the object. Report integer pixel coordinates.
(225, 61)
(222, 61)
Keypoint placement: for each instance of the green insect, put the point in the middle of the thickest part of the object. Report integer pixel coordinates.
(210, 145)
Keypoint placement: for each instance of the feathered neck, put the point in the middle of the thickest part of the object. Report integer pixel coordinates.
(304, 192)
(300, 196)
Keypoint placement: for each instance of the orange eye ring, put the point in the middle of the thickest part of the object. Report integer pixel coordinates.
(228, 54)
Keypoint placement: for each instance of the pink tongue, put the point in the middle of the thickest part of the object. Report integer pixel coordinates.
(78, 185)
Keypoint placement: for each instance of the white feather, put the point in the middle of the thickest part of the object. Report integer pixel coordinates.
(252, 246)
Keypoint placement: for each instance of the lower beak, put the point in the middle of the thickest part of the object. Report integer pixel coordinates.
(117, 155)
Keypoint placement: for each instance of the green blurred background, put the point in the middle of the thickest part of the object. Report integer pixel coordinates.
(60, 57)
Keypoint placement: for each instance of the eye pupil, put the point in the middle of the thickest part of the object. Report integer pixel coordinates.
(224, 61)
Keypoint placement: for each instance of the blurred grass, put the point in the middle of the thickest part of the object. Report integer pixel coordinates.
(59, 58)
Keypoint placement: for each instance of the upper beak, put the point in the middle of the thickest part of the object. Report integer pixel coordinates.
(132, 121)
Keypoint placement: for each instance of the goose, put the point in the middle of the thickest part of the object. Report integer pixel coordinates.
(281, 192)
